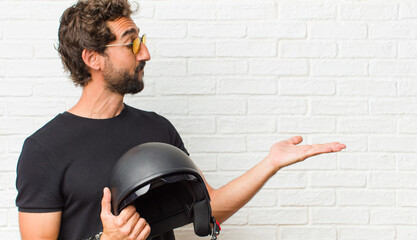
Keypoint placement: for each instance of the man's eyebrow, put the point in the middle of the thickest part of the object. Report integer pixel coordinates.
(130, 31)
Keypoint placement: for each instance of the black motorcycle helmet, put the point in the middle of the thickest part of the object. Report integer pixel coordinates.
(166, 188)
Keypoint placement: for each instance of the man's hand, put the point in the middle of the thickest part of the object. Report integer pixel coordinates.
(287, 152)
(127, 226)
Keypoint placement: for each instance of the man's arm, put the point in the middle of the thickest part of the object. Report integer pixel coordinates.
(42, 226)
(228, 199)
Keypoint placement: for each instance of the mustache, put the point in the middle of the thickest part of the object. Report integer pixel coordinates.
(140, 66)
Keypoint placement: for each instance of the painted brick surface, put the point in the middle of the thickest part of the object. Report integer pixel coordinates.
(234, 77)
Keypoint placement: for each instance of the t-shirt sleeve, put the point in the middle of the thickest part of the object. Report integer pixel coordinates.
(37, 180)
(174, 135)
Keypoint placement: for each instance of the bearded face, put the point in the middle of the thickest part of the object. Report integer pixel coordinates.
(123, 82)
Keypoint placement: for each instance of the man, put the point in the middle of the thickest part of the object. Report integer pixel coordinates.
(65, 166)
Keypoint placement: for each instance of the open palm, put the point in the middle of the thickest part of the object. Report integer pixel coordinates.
(288, 152)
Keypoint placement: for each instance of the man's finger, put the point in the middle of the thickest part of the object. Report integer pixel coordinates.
(295, 140)
(106, 201)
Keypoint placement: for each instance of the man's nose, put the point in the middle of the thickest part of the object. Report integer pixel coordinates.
(143, 54)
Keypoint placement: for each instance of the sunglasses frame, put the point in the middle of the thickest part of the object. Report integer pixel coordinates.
(140, 39)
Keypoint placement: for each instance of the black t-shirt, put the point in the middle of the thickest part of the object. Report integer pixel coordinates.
(65, 165)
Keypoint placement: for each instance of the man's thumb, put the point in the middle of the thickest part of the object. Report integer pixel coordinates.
(106, 201)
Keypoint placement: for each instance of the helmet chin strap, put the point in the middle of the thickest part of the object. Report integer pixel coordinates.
(216, 229)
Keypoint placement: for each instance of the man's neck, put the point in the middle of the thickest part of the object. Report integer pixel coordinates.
(98, 103)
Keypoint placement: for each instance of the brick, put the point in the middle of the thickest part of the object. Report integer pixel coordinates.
(16, 49)
(15, 10)
(186, 49)
(306, 86)
(10, 233)
(393, 106)
(45, 49)
(35, 108)
(284, 30)
(3, 218)
(392, 144)
(185, 11)
(10, 126)
(406, 233)
(243, 162)
(216, 30)
(320, 162)
(35, 29)
(393, 30)
(163, 30)
(337, 30)
(366, 233)
(262, 143)
(307, 49)
(8, 163)
(407, 49)
(245, 48)
(214, 106)
(366, 87)
(214, 144)
(242, 10)
(283, 216)
(264, 198)
(308, 232)
(406, 161)
(34, 68)
(205, 162)
(219, 179)
(267, 106)
(365, 198)
(407, 87)
(392, 180)
(306, 125)
(16, 88)
(2, 68)
(367, 161)
(239, 218)
(197, 125)
(408, 10)
(145, 10)
(13, 218)
(340, 215)
(287, 180)
(353, 143)
(366, 125)
(339, 107)
(394, 68)
(407, 125)
(263, 86)
(217, 67)
(15, 143)
(249, 233)
(302, 198)
(3, 181)
(42, 10)
(307, 11)
(337, 179)
(374, 49)
(339, 68)
(279, 67)
(11, 180)
(364, 11)
(166, 68)
(391, 216)
(161, 105)
(407, 198)
(185, 86)
(58, 88)
(246, 124)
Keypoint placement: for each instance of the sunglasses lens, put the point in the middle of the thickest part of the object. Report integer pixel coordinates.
(136, 46)
(144, 38)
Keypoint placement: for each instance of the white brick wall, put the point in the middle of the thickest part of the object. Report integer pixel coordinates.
(236, 76)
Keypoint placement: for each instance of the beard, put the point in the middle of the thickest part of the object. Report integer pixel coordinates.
(123, 82)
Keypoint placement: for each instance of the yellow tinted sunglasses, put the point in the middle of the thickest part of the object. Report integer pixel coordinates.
(135, 44)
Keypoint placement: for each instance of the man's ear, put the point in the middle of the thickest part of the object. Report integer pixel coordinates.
(91, 59)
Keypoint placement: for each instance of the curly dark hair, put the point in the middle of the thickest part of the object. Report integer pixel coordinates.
(83, 26)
